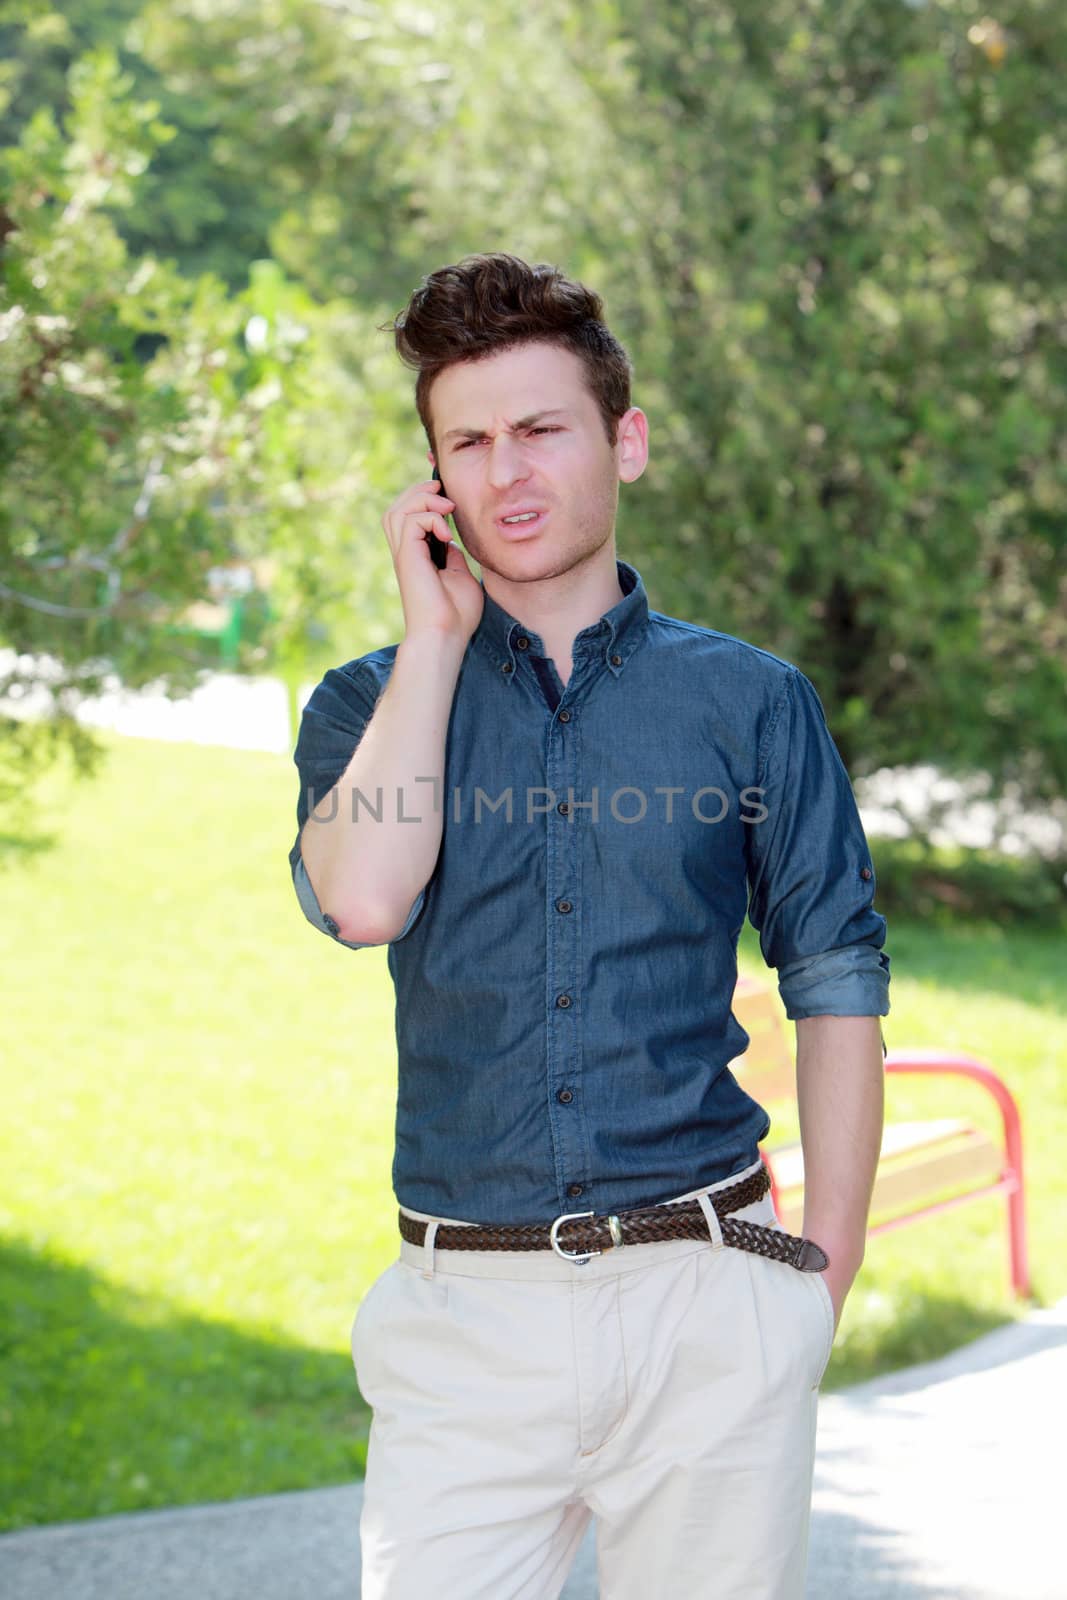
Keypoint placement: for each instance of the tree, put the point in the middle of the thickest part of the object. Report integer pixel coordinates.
(153, 428)
(858, 334)
(831, 234)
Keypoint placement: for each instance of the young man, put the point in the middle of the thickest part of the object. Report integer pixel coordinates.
(556, 805)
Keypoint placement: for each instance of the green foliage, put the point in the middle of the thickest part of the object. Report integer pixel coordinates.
(191, 206)
(111, 453)
(832, 235)
(863, 225)
(940, 886)
(156, 427)
(830, 232)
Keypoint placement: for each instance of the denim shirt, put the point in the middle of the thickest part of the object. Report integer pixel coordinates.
(564, 980)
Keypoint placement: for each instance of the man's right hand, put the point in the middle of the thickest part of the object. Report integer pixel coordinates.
(447, 600)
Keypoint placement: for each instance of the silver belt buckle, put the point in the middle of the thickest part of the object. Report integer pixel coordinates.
(553, 1237)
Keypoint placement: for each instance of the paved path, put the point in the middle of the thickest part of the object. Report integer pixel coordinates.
(939, 1482)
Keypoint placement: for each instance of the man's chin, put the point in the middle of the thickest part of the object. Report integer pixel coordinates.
(507, 557)
(522, 566)
(527, 560)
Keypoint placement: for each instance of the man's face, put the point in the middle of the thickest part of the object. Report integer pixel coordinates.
(558, 462)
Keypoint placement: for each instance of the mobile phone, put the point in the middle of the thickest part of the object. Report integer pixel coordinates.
(438, 547)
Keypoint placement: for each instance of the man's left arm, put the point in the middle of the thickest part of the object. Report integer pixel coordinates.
(812, 901)
(841, 1101)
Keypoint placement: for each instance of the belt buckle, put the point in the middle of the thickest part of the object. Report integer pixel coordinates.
(553, 1237)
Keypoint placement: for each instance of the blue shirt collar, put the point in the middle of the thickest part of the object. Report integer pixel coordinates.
(618, 631)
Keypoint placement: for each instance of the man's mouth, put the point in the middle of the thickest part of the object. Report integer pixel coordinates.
(517, 524)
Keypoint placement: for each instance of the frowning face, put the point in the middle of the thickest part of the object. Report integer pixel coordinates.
(520, 431)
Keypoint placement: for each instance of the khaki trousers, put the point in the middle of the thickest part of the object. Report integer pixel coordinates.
(668, 1389)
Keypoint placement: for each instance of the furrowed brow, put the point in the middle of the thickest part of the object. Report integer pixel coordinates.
(523, 422)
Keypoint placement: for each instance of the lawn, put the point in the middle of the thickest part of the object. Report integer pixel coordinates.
(199, 1092)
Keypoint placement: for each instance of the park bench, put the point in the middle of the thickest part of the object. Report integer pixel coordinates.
(919, 1161)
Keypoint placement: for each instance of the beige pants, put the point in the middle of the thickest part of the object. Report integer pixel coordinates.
(669, 1389)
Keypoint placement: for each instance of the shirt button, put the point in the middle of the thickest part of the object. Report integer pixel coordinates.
(563, 808)
(616, 661)
(509, 666)
(563, 1001)
(563, 905)
(564, 716)
(565, 1097)
(574, 1190)
(522, 643)
(865, 872)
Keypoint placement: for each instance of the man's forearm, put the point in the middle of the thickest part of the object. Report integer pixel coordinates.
(367, 869)
(841, 1097)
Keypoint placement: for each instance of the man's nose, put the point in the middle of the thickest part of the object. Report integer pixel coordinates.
(506, 462)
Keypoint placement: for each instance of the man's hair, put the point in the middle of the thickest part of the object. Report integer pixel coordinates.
(488, 303)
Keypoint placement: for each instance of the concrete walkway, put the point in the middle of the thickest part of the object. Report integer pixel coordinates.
(942, 1481)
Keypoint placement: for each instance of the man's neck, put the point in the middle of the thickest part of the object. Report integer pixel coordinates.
(557, 609)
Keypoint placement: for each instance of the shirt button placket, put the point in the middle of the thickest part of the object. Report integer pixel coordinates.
(563, 838)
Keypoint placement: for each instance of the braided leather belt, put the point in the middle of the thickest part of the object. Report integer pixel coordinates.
(585, 1234)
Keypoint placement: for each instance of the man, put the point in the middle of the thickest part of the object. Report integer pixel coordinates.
(556, 805)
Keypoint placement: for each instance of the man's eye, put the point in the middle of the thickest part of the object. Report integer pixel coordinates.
(532, 430)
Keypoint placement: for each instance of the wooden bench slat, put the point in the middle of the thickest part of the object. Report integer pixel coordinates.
(975, 1160)
(913, 1174)
(901, 1137)
(921, 1164)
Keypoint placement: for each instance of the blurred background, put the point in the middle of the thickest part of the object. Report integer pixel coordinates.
(833, 238)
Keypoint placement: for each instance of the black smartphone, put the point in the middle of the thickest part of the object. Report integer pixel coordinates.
(438, 547)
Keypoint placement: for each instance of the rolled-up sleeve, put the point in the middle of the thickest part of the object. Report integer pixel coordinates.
(811, 877)
(333, 722)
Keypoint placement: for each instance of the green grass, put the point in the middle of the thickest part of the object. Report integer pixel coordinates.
(199, 1093)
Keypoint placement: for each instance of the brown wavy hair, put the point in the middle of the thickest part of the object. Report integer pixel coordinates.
(492, 302)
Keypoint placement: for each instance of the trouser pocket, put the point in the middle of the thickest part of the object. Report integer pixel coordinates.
(822, 1291)
(814, 1325)
(367, 1320)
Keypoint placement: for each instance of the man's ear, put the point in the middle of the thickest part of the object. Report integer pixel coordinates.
(633, 450)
